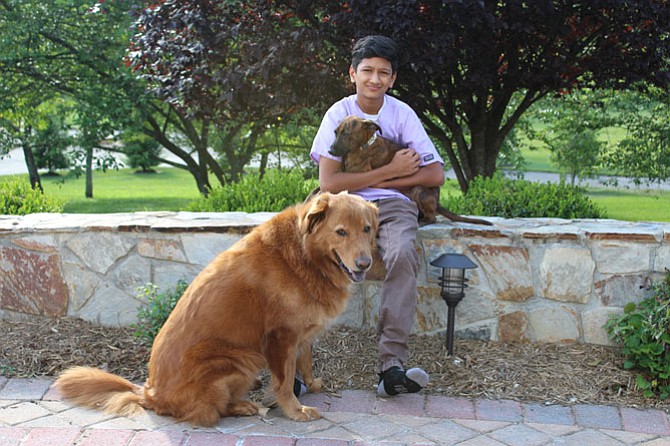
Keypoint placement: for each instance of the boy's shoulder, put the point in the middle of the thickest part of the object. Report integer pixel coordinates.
(397, 103)
(347, 103)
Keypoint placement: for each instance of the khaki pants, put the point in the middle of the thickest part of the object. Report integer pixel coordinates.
(397, 233)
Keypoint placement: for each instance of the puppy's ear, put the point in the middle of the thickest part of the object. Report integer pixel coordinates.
(374, 125)
(315, 213)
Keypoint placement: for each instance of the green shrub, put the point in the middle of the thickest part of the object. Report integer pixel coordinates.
(275, 191)
(18, 198)
(151, 317)
(643, 332)
(509, 198)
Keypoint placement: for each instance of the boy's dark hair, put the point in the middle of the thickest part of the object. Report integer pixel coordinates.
(375, 46)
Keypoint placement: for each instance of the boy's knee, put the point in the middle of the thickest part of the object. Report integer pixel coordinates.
(403, 256)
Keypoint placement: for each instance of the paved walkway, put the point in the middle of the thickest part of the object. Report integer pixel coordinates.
(32, 413)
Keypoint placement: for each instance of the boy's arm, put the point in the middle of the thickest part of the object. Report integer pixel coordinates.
(430, 175)
(405, 163)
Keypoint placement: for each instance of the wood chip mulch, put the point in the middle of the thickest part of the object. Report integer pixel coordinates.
(345, 358)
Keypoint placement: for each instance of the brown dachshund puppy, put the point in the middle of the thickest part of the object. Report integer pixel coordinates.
(361, 149)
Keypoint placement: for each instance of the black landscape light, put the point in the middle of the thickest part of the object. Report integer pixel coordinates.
(453, 284)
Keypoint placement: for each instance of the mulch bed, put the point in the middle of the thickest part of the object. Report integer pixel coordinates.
(346, 358)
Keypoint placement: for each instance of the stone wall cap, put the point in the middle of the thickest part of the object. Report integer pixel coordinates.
(242, 221)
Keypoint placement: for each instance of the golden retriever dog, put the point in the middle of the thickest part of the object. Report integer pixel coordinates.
(361, 149)
(257, 305)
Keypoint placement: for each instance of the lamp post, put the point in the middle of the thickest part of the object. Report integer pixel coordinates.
(453, 284)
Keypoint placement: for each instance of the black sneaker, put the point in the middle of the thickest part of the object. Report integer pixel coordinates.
(395, 380)
(299, 387)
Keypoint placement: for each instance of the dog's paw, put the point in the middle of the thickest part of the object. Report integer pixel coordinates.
(305, 413)
(243, 409)
(316, 385)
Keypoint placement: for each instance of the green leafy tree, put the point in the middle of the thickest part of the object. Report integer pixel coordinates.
(60, 49)
(141, 151)
(571, 127)
(93, 125)
(644, 153)
(76, 48)
(287, 144)
(51, 138)
(18, 117)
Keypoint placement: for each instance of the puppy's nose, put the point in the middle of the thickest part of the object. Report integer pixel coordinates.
(363, 263)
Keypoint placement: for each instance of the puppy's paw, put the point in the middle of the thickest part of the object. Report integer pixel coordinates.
(316, 385)
(305, 413)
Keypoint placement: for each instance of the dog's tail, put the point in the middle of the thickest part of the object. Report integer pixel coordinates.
(455, 217)
(97, 389)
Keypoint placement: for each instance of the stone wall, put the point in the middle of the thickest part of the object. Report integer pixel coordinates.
(546, 280)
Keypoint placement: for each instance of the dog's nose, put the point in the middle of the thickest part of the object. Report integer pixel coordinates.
(363, 263)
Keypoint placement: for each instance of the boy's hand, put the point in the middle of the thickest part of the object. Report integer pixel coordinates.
(405, 162)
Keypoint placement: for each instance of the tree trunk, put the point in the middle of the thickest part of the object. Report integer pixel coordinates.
(89, 172)
(263, 165)
(33, 174)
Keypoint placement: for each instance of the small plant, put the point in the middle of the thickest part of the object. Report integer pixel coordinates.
(643, 331)
(18, 198)
(508, 198)
(7, 370)
(275, 191)
(151, 317)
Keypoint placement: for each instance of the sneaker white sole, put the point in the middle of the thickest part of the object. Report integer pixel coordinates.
(418, 376)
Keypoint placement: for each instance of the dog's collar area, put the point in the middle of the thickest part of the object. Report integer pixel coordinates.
(371, 141)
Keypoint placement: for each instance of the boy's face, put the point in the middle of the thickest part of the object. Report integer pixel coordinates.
(373, 77)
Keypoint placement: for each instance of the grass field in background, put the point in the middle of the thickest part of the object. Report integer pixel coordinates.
(633, 205)
(538, 160)
(124, 190)
(172, 189)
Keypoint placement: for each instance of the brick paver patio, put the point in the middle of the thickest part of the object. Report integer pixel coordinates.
(32, 413)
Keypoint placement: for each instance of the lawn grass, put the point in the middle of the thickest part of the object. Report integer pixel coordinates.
(173, 189)
(537, 160)
(633, 205)
(124, 190)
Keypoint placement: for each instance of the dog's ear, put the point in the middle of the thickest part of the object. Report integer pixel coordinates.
(315, 213)
(373, 124)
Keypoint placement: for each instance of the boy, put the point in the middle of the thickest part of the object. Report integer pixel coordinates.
(373, 70)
